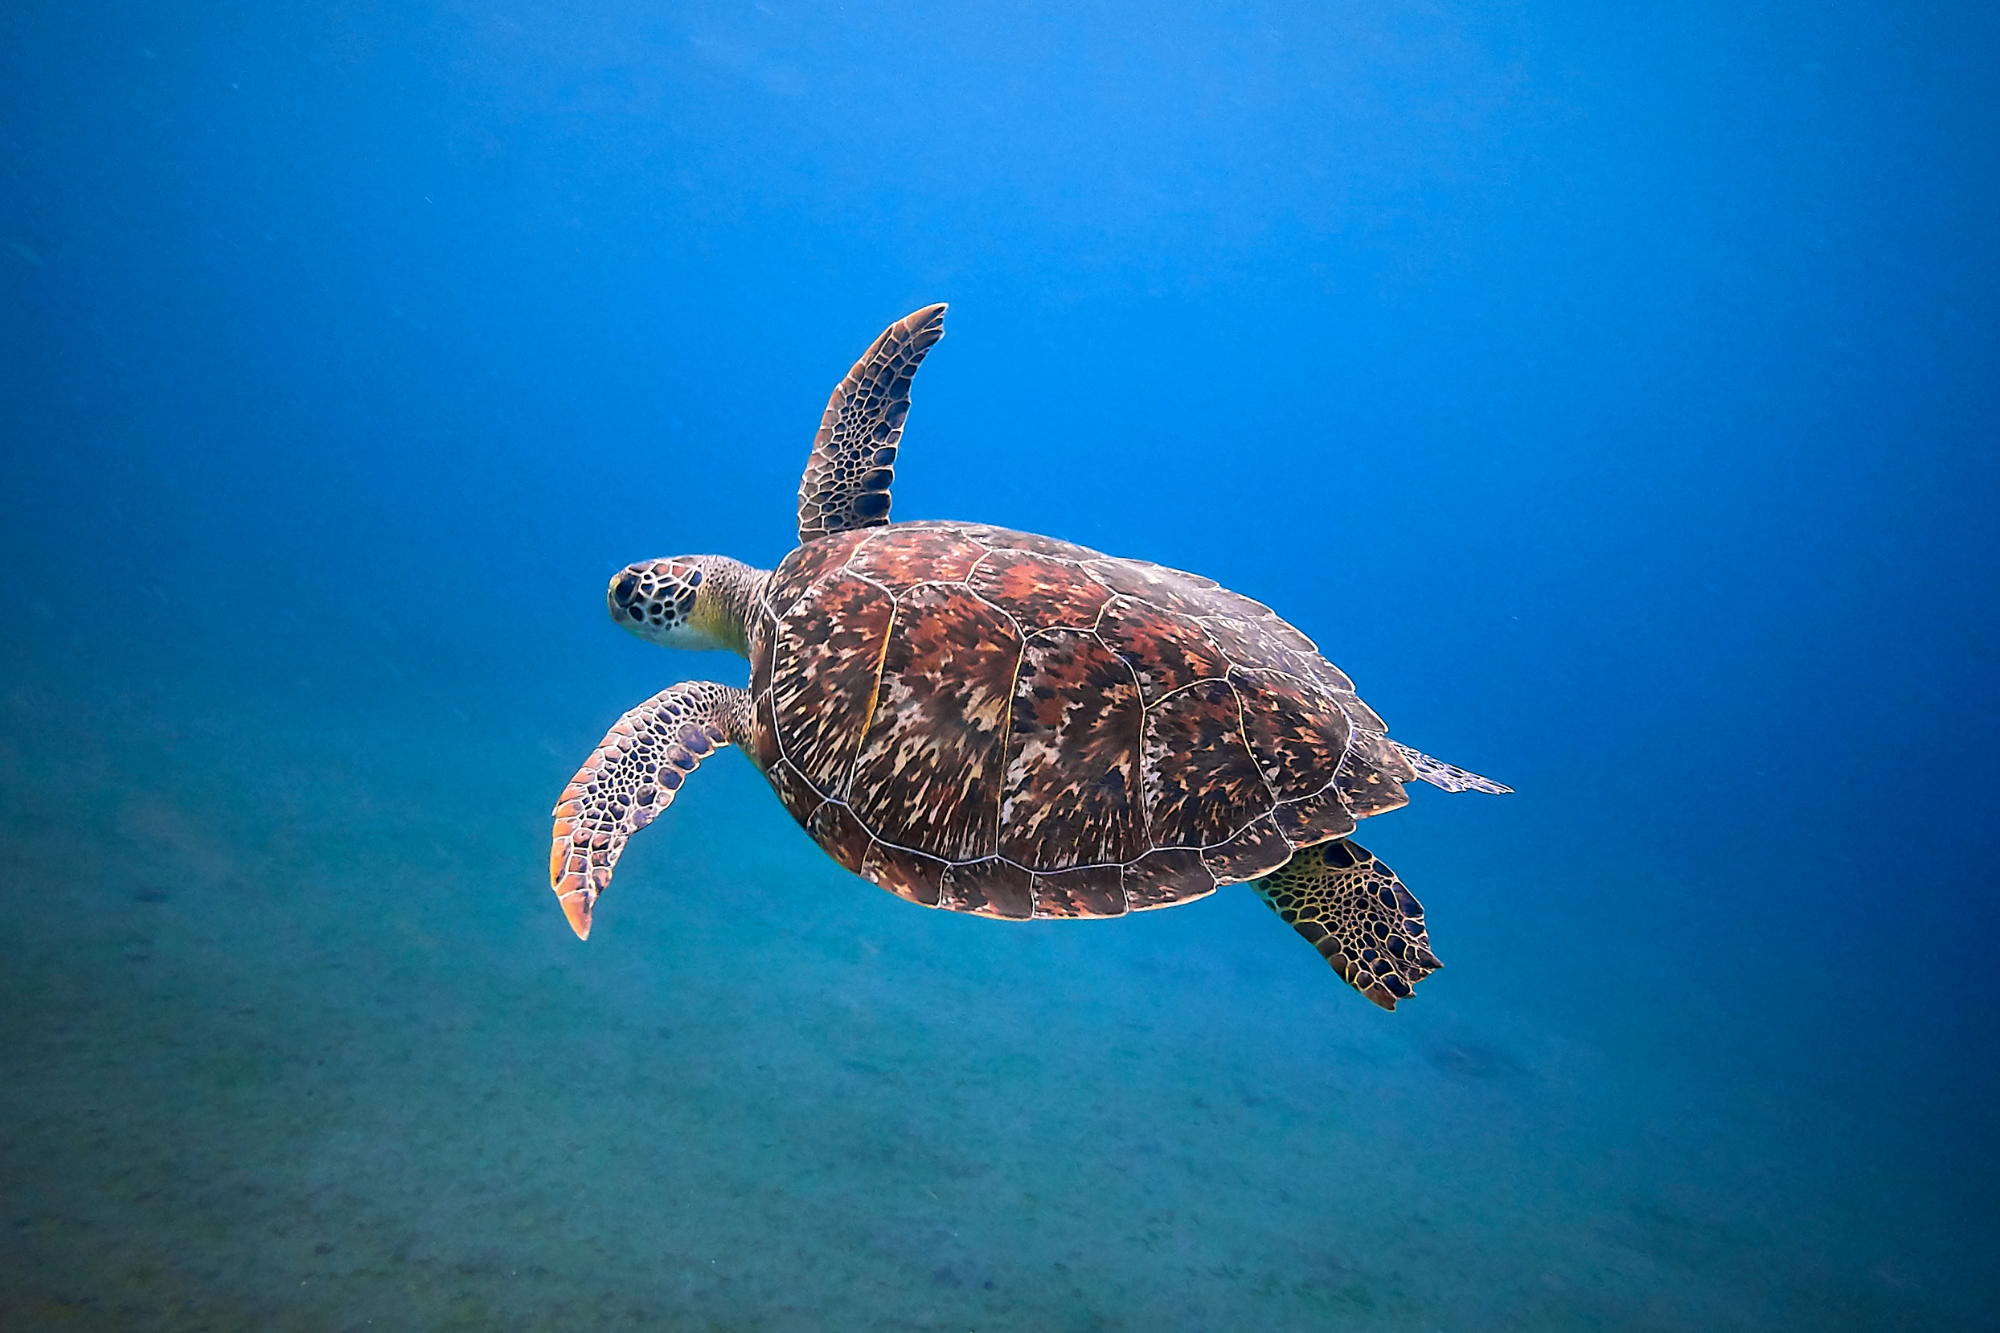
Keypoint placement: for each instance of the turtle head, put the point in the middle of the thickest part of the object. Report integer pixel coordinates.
(690, 601)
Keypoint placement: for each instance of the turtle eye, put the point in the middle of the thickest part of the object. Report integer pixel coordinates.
(622, 594)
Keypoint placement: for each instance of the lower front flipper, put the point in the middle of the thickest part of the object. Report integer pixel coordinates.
(629, 778)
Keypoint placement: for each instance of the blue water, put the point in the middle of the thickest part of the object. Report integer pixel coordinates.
(1609, 389)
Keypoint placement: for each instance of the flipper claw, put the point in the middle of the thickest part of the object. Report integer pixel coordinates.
(576, 904)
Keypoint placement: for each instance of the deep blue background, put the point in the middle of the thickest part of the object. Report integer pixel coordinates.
(1609, 389)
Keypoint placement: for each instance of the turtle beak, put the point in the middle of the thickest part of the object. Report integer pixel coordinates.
(576, 906)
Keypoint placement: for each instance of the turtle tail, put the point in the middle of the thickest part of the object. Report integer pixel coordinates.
(1449, 776)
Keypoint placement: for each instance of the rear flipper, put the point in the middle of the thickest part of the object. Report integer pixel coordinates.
(1354, 910)
(1448, 776)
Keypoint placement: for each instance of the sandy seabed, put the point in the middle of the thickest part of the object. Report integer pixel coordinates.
(296, 1038)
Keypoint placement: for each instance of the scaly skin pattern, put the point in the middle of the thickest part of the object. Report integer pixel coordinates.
(853, 463)
(1354, 910)
(629, 779)
(993, 722)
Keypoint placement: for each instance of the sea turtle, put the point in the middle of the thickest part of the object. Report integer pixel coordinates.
(1004, 724)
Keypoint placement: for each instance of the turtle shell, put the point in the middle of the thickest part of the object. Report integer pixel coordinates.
(995, 722)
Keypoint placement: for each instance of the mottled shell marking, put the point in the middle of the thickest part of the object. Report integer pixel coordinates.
(999, 723)
(930, 769)
(824, 668)
(1072, 790)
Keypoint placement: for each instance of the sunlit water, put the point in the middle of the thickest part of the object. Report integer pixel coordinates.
(1610, 394)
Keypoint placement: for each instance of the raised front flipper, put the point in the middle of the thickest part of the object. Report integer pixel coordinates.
(629, 778)
(1354, 910)
(1448, 776)
(846, 485)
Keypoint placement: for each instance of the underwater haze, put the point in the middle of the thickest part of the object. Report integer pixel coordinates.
(1610, 389)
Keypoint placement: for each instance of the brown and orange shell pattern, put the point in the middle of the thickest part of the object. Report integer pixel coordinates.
(998, 723)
